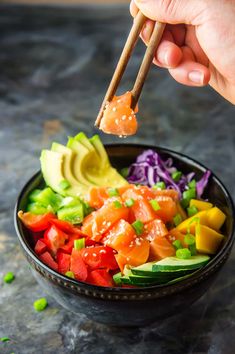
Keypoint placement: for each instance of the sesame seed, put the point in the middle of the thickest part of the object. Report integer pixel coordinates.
(102, 251)
(116, 121)
(94, 254)
(124, 117)
(127, 258)
(114, 109)
(86, 254)
(118, 101)
(130, 118)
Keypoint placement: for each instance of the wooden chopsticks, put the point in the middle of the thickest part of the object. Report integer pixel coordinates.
(124, 58)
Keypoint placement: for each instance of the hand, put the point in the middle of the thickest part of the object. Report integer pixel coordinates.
(198, 44)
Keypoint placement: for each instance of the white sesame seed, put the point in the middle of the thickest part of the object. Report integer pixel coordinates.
(114, 109)
(94, 254)
(102, 251)
(116, 121)
(130, 118)
(127, 258)
(124, 117)
(85, 254)
(118, 101)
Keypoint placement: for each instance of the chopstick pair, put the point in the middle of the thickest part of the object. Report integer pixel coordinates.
(124, 58)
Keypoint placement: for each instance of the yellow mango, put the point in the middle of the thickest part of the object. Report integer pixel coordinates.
(181, 211)
(215, 218)
(200, 204)
(189, 224)
(207, 239)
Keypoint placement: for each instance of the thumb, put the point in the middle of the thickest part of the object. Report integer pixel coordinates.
(173, 11)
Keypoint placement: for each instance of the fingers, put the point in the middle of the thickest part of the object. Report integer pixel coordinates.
(189, 72)
(168, 54)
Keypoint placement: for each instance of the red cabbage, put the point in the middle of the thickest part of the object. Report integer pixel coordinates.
(150, 168)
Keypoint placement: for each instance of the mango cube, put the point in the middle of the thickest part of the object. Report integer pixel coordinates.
(200, 204)
(190, 223)
(207, 239)
(215, 218)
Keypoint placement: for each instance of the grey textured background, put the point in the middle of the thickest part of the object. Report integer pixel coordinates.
(55, 64)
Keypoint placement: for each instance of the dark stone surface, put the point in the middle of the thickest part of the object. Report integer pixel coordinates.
(55, 64)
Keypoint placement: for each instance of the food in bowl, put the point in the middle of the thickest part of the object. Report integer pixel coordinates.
(94, 225)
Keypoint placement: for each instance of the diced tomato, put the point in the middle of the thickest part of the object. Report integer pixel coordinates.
(69, 244)
(118, 117)
(99, 257)
(154, 229)
(36, 222)
(102, 219)
(120, 235)
(48, 260)
(141, 208)
(89, 242)
(78, 266)
(160, 248)
(40, 247)
(54, 238)
(100, 277)
(63, 260)
(97, 196)
(175, 234)
(66, 227)
(135, 254)
(167, 208)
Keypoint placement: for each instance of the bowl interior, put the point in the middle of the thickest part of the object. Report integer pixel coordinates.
(122, 155)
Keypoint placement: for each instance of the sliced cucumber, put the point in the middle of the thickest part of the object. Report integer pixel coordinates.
(174, 264)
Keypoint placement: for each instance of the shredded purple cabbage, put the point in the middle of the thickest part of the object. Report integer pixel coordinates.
(149, 169)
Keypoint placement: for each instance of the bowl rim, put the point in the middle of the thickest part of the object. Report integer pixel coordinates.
(163, 289)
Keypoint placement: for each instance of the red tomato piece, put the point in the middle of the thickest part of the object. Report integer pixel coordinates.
(66, 227)
(54, 238)
(48, 260)
(78, 266)
(118, 116)
(99, 257)
(40, 247)
(154, 229)
(100, 277)
(63, 260)
(36, 222)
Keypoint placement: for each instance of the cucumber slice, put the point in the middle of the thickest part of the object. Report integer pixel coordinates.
(173, 263)
(147, 270)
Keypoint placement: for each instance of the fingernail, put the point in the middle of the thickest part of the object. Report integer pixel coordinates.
(163, 58)
(197, 77)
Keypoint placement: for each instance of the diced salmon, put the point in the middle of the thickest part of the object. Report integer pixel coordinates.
(97, 196)
(155, 228)
(160, 248)
(119, 236)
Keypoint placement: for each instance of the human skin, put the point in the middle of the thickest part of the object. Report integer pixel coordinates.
(198, 44)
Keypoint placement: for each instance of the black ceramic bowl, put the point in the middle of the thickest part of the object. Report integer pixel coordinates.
(139, 306)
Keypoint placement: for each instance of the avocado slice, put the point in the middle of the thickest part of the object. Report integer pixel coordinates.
(83, 139)
(54, 173)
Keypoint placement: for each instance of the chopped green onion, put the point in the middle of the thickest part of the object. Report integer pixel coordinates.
(193, 249)
(176, 176)
(196, 220)
(192, 210)
(189, 194)
(129, 202)
(154, 204)
(184, 203)
(177, 244)
(4, 339)
(177, 219)
(192, 184)
(8, 277)
(117, 204)
(40, 304)
(117, 278)
(64, 184)
(159, 185)
(183, 253)
(124, 172)
(79, 244)
(113, 192)
(189, 239)
(138, 227)
(70, 274)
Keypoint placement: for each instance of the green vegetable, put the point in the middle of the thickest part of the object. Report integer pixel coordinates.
(189, 239)
(154, 204)
(159, 185)
(192, 249)
(113, 192)
(46, 198)
(117, 204)
(8, 277)
(4, 339)
(73, 214)
(189, 194)
(79, 244)
(40, 304)
(183, 253)
(117, 278)
(184, 203)
(174, 263)
(129, 202)
(192, 210)
(138, 227)
(192, 184)
(64, 184)
(177, 244)
(124, 172)
(39, 209)
(70, 274)
(177, 219)
(176, 176)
